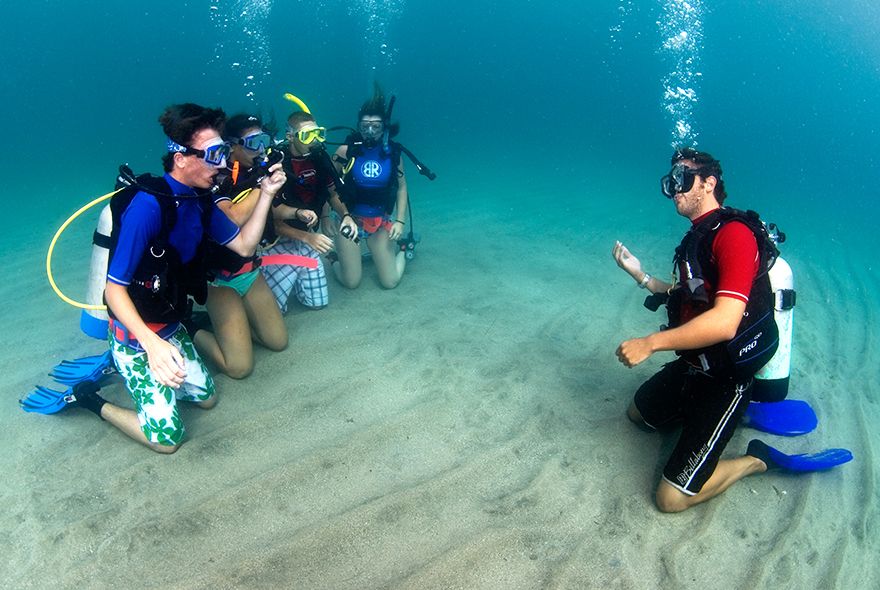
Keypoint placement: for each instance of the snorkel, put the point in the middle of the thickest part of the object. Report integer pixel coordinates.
(297, 102)
(316, 147)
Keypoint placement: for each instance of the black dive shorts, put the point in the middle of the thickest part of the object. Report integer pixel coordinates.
(708, 409)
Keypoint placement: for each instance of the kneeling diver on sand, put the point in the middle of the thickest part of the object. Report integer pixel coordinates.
(156, 262)
(723, 324)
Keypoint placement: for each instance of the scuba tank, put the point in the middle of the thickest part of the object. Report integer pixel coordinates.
(771, 381)
(94, 319)
(93, 322)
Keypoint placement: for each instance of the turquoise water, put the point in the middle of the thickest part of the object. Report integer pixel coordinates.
(549, 125)
(557, 97)
(784, 95)
(555, 107)
(536, 105)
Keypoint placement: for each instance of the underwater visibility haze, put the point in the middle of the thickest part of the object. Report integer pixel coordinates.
(552, 118)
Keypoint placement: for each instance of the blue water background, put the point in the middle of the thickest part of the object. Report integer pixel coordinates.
(555, 107)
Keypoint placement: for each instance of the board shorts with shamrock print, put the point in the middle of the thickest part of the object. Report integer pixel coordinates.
(156, 404)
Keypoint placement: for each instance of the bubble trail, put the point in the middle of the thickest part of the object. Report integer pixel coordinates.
(244, 42)
(681, 30)
(379, 14)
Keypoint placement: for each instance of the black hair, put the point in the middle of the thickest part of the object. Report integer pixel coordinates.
(181, 121)
(376, 107)
(707, 164)
(238, 124)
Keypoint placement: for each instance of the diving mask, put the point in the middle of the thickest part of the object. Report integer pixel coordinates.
(679, 180)
(258, 141)
(214, 154)
(309, 136)
(371, 129)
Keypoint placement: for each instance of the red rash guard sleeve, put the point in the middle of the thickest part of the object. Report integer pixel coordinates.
(736, 253)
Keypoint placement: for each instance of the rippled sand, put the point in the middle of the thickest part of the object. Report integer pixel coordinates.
(466, 430)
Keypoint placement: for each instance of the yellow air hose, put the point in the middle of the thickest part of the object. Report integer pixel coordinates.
(58, 233)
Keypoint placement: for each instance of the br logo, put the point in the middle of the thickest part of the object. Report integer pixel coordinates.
(371, 169)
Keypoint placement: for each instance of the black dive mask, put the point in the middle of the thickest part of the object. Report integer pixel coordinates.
(371, 132)
(679, 180)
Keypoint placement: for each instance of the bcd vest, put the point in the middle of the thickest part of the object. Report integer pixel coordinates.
(757, 336)
(162, 282)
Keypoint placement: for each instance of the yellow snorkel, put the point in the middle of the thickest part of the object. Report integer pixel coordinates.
(297, 102)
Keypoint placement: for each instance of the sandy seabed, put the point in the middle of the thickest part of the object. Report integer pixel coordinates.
(465, 430)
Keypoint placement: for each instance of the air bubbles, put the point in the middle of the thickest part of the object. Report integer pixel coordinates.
(242, 25)
(682, 33)
(617, 31)
(378, 15)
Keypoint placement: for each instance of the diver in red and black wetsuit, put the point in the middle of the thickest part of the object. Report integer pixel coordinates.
(718, 281)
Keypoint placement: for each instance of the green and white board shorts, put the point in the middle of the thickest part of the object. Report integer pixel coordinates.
(156, 404)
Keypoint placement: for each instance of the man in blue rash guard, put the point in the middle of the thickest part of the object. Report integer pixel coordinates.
(155, 263)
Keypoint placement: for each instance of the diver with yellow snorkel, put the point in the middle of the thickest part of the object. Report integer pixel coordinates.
(301, 211)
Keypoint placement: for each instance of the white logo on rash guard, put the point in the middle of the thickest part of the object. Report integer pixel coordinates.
(371, 169)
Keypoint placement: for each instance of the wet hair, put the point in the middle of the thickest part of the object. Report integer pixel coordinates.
(238, 124)
(298, 118)
(181, 121)
(707, 164)
(376, 107)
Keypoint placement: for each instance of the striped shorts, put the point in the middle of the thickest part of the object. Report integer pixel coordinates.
(708, 409)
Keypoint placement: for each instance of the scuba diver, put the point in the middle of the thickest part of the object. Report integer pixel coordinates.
(722, 326)
(374, 188)
(240, 305)
(156, 262)
(300, 207)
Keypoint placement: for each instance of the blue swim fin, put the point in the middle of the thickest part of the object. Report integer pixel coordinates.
(790, 417)
(89, 368)
(776, 459)
(49, 401)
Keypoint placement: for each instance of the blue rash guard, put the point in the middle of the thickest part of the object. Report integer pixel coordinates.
(141, 223)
